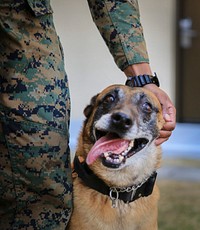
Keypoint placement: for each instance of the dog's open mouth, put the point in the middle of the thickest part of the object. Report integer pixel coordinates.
(113, 160)
(114, 151)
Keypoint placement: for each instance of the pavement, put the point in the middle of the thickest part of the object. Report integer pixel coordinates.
(184, 143)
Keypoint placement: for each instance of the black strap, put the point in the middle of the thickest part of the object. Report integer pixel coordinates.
(94, 182)
(141, 80)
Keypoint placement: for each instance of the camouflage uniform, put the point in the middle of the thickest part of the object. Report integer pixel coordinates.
(35, 174)
(35, 177)
(119, 24)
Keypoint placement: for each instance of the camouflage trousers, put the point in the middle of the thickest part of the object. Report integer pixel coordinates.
(35, 174)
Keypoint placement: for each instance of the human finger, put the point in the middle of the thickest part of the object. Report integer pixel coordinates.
(164, 136)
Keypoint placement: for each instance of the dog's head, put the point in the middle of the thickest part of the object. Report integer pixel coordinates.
(117, 140)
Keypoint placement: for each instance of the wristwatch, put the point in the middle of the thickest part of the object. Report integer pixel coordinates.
(141, 80)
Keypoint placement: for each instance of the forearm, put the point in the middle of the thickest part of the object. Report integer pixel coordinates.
(138, 69)
(119, 25)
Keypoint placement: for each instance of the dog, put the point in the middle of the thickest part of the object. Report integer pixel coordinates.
(116, 162)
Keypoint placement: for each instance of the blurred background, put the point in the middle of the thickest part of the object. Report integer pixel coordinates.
(172, 33)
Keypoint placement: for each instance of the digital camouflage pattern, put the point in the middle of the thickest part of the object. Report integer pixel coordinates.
(119, 23)
(35, 174)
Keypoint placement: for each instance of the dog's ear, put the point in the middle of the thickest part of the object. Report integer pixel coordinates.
(89, 108)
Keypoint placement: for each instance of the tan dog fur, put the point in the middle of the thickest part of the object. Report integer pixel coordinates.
(93, 210)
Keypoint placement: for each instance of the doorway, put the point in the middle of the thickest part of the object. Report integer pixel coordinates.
(188, 61)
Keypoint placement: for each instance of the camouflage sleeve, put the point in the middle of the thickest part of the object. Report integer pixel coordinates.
(119, 24)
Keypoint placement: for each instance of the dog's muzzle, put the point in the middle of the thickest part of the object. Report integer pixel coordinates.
(116, 139)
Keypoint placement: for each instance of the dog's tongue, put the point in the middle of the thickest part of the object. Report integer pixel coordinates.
(106, 144)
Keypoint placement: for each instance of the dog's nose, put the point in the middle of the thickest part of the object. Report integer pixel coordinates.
(121, 120)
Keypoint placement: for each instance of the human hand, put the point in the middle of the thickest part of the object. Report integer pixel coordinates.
(169, 113)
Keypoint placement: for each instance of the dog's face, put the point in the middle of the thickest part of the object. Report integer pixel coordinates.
(119, 132)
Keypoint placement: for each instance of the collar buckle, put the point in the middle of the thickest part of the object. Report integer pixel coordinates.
(114, 196)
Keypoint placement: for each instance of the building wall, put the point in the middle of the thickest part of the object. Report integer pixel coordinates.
(90, 66)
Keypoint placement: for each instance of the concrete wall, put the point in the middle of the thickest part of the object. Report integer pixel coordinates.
(90, 66)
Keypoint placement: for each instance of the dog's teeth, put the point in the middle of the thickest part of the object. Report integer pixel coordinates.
(131, 144)
(129, 148)
(108, 158)
(117, 161)
(121, 158)
(125, 152)
(106, 154)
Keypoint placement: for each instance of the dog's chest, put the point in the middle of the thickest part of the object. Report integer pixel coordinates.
(97, 213)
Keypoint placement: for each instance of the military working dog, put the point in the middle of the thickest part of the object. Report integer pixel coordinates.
(116, 162)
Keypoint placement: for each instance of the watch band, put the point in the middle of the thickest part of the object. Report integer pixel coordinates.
(141, 80)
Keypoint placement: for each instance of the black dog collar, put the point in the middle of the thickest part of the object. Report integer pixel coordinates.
(128, 194)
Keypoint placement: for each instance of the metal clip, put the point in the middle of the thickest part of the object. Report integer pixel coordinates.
(133, 194)
(113, 198)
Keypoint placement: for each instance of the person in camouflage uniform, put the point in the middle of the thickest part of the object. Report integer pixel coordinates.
(35, 174)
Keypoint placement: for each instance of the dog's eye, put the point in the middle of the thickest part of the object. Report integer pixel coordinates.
(109, 99)
(147, 107)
